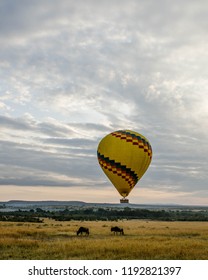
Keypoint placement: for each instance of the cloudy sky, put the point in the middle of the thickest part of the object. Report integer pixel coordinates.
(73, 71)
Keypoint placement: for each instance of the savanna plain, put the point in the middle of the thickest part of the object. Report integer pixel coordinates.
(142, 240)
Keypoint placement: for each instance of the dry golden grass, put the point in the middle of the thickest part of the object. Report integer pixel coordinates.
(142, 240)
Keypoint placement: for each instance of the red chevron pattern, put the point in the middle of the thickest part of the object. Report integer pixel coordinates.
(135, 140)
(122, 171)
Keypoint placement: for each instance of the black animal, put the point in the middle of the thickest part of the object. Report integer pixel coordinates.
(116, 230)
(82, 230)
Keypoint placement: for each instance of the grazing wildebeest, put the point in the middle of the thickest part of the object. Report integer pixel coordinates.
(117, 230)
(83, 229)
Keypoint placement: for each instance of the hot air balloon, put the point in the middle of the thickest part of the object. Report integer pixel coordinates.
(124, 156)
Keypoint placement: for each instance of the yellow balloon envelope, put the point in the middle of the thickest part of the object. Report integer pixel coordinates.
(124, 156)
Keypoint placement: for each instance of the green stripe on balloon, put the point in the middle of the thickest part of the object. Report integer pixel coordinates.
(119, 169)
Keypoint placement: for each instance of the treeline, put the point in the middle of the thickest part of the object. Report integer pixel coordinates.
(111, 214)
(129, 213)
(15, 217)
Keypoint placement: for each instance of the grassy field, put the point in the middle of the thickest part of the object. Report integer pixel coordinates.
(142, 240)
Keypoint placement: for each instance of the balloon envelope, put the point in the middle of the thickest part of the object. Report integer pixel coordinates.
(124, 156)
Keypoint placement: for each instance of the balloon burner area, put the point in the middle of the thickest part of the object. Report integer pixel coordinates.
(124, 200)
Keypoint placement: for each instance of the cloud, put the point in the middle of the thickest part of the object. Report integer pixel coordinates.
(74, 71)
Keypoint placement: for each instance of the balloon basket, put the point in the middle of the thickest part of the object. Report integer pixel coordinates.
(124, 200)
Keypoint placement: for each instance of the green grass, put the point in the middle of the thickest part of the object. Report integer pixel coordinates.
(142, 240)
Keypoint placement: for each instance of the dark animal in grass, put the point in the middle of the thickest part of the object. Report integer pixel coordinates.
(82, 230)
(116, 230)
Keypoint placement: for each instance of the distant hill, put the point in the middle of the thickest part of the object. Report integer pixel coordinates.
(59, 205)
(35, 211)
